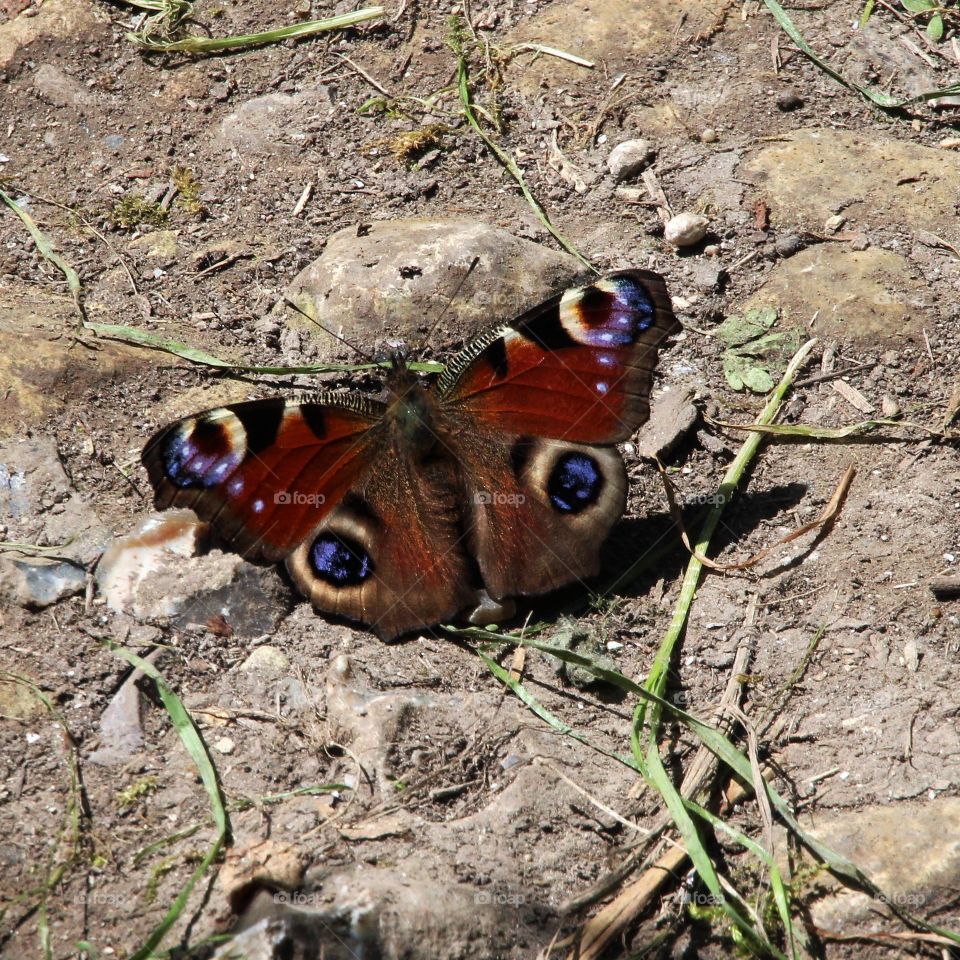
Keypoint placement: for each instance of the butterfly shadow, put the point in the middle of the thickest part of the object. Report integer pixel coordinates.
(642, 551)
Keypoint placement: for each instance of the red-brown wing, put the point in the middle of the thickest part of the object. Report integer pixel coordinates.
(393, 554)
(264, 473)
(539, 510)
(579, 367)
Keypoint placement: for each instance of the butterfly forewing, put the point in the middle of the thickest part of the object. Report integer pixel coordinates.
(266, 472)
(579, 367)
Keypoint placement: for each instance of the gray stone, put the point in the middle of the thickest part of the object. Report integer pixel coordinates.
(627, 159)
(38, 584)
(855, 295)
(38, 505)
(706, 275)
(812, 174)
(672, 417)
(269, 662)
(389, 282)
(910, 850)
(270, 125)
(60, 89)
(788, 245)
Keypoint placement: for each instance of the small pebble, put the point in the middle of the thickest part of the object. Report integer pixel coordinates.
(225, 745)
(859, 242)
(834, 223)
(685, 229)
(709, 135)
(789, 245)
(627, 159)
(911, 655)
(712, 250)
(889, 406)
(789, 100)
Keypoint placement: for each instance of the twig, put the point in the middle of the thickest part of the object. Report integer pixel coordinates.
(366, 76)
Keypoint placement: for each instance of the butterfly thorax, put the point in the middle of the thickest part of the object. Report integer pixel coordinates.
(411, 413)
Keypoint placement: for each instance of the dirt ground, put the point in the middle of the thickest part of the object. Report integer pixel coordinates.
(465, 822)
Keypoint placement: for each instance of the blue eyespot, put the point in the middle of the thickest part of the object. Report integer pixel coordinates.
(575, 483)
(202, 455)
(339, 560)
(637, 301)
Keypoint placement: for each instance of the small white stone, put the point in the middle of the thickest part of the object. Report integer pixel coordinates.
(709, 135)
(911, 655)
(712, 250)
(834, 223)
(685, 229)
(225, 745)
(613, 645)
(627, 159)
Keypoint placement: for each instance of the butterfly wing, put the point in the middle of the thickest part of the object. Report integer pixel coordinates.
(392, 554)
(539, 510)
(539, 404)
(264, 473)
(578, 367)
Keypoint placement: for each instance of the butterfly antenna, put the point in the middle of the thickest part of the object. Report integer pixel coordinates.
(453, 296)
(336, 336)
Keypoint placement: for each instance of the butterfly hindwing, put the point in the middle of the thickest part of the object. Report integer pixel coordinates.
(264, 473)
(578, 367)
(540, 510)
(393, 553)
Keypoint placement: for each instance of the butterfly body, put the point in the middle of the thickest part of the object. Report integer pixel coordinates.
(498, 478)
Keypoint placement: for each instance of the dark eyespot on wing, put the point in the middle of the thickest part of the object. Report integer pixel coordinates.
(339, 560)
(592, 302)
(261, 422)
(520, 453)
(575, 483)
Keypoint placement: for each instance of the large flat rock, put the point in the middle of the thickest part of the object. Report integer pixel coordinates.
(388, 282)
(612, 31)
(43, 363)
(853, 295)
(812, 174)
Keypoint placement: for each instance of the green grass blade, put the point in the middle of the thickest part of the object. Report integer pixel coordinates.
(881, 99)
(781, 895)
(544, 714)
(700, 857)
(47, 252)
(153, 341)
(219, 44)
(807, 432)
(657, 678)
(195, 747)
(466, 101)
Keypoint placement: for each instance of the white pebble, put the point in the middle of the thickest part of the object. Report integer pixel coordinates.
(685, 229)
(709, 135)
(225, 745)
(627, 159)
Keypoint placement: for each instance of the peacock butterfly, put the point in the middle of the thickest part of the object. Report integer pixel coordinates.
(498, 478)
